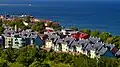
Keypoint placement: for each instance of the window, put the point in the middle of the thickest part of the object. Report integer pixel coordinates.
(9, 41)
(16, 42)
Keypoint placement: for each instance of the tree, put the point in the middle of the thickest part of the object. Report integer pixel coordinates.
(56, 26)
(3, 63)
(29, 54)
(74, 28)
(87, 31)
(95, 33)
(38, 64)
(39, 27)
(1, 28)
(16, 64)
(1, 51)
(104, 36)
(10, 54)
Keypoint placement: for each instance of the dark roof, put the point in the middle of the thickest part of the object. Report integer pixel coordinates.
(102, 51)
(74, 43)
(110, 46)
(94, 40)
(118, 53)
(97, 45)
(88, 47)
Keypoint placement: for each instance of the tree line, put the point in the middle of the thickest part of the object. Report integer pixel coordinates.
(30, 56)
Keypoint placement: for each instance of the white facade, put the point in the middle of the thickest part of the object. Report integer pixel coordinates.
(48, 44)
(8, 42)
(56, 47)
(79, 49)
(92, 54)
(64, 47)
(18, 42)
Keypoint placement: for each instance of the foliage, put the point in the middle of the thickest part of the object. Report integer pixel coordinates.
(30, 56)
(10, 54)
(104, 36)
(87, 31)
(3, 63)
(16, 64)
(38, 64)
(39, 26)
(85, 62)
(95, 33)
(1, 28)
(74, 28)
(56, 26)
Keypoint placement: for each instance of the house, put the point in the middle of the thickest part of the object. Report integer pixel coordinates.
(48, 29)
(108, 53)
(31, 38)
(93, 53)
(8, 39)
(18, 41)
(83, 36)
(92, 47)
(72, 46)
(117, 53)
(59, 45)
(50, 40)
(68, 31)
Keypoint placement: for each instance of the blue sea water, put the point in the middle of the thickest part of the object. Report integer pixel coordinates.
(101, 15)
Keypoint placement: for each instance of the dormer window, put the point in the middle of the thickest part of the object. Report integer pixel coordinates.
(25, 34)
(16, 39)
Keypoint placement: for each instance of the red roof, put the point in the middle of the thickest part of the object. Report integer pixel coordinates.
(80, 35)
(49, 30)
(114, 50)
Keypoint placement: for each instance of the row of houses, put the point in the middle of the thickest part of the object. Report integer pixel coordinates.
(80, 43)
(17, 39)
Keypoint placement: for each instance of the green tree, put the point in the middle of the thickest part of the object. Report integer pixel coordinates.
(95, 33)
(3, 63)
(83, 61)
(16, 64)
(29, 54)
(56, 26)
(10, 54)
(1, 28)
(104, 36)
(39, 27)
(87, 31)
(74, 28)
(38, 64)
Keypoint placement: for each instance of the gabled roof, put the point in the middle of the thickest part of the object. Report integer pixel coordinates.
(68, 39)
(74, 43)
(97, 45)
(88, 47)
(118, 53)
(93, 39)
(71, 41)
(110, 46)
(102, 51)
(59, 41)
(83, 41)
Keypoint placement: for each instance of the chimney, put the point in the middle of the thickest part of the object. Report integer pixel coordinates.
(15, 28)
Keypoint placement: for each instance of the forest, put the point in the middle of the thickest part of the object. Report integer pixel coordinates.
(30, 56)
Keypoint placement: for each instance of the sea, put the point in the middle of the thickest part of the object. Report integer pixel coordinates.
(95, 15)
